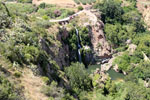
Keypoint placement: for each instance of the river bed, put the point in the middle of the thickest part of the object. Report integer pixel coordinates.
(113, 74)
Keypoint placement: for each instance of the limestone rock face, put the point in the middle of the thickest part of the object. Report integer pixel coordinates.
(58, 50)
(146, 16)
(100, 45)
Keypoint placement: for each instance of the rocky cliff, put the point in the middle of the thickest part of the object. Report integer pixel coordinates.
(144, 8)
(100, 46)
(59, 51)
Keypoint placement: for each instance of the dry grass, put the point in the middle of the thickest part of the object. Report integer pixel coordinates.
(32, 85)
(58, 2)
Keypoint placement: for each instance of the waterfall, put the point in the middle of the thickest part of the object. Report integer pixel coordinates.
(78, 45)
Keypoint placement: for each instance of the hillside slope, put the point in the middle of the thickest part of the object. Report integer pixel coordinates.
(144, 8)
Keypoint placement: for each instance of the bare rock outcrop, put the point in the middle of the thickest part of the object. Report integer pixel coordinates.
(100, 45)
(144, 8)
(147, 83)
(106, 66)
(145, 57)
(100, 78)
(57, 50)
(132, 48)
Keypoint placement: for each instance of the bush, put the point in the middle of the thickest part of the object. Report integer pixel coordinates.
(53, 91)
(57, 13)
(42, 5)
(17, 74)
(46, 80)
(5, 19)
(30, 54)
(45, 17)
(80, 8)
(7, 90)
(43, 23)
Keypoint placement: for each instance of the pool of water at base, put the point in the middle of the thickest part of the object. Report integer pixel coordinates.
(113, 74)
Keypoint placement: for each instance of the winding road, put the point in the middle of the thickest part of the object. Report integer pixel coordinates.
(67, 18)
(87, 12)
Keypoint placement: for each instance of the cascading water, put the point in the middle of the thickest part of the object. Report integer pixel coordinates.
(78, 45)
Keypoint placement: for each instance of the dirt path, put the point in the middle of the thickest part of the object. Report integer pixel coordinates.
(32, 85)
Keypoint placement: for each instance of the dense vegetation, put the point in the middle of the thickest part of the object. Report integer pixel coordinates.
(72, 42)
(122, 24)
(7, 90)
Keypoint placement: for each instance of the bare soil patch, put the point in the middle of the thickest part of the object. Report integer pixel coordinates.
(144, 7)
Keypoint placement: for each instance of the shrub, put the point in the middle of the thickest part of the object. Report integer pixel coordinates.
(5, 19)
(7, 90)
(80, 8)
(123, 62)
(53, 91)
(42, 5)
(45, 17)
(43, 23)
(57, 13)
(30, 53)
(17, 74)
(46, 80)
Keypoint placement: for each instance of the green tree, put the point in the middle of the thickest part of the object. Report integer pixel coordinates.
(111, 11)
(78, 78)
(118, 34)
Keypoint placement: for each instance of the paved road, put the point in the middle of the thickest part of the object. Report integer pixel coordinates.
(67, 18)
(91, 16)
